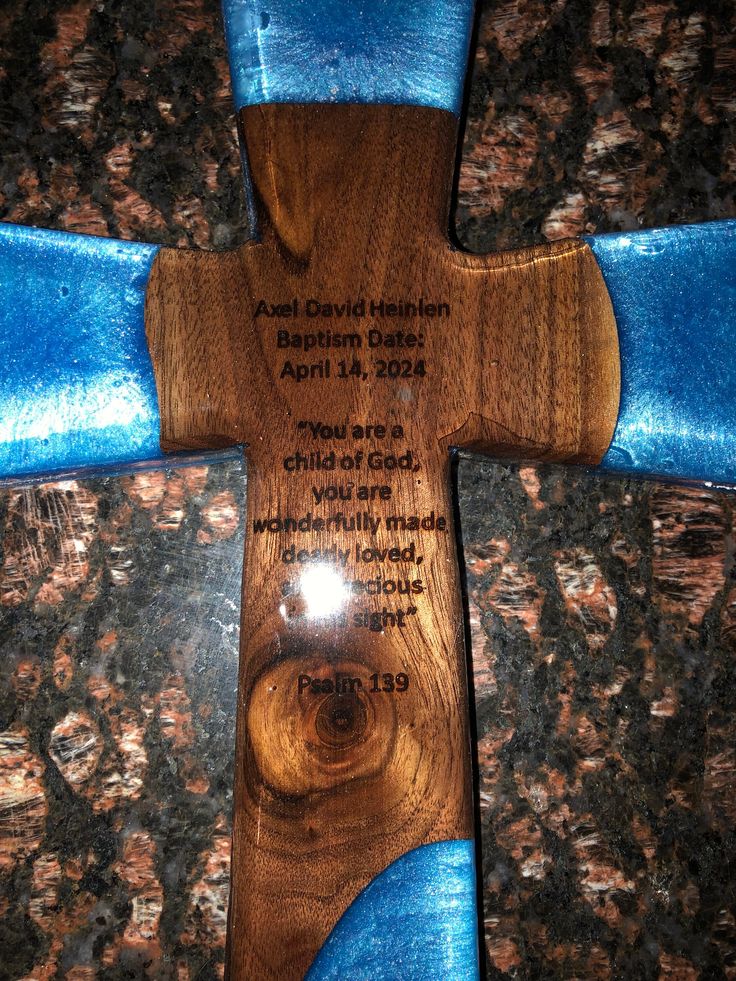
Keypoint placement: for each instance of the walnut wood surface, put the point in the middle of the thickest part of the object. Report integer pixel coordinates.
(518, 356)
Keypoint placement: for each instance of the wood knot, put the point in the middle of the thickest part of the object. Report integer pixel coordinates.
(341, 720)
(315, 725)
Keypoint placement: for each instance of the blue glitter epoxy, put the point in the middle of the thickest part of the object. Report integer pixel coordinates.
(76, 381)
(400, 52)
(415, 922)
(674, 297)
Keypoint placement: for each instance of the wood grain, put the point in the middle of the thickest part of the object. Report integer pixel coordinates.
(514, 354)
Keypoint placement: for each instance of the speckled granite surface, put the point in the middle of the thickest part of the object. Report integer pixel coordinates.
(603, 613)
(118, 655)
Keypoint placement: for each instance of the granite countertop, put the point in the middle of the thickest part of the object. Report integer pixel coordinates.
(602, 612)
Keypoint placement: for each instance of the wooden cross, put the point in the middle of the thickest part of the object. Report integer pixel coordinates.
(350, 349)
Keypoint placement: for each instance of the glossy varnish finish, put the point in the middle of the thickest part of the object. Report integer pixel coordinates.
(515, 354)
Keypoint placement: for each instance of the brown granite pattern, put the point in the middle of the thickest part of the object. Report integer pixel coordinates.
(598, 116)
(602, 613)
(119, 603)
(605, 724)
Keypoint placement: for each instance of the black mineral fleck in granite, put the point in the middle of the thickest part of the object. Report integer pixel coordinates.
(602, 612)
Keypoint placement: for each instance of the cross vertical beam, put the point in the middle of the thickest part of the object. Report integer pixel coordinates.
(350, 348)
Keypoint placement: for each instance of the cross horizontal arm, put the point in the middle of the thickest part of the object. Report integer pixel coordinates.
(674, 297)
(76, 386)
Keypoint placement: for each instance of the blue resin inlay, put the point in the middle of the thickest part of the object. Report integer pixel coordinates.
(674, 297)
(76, 380)
(416, 921)
(400, 52)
